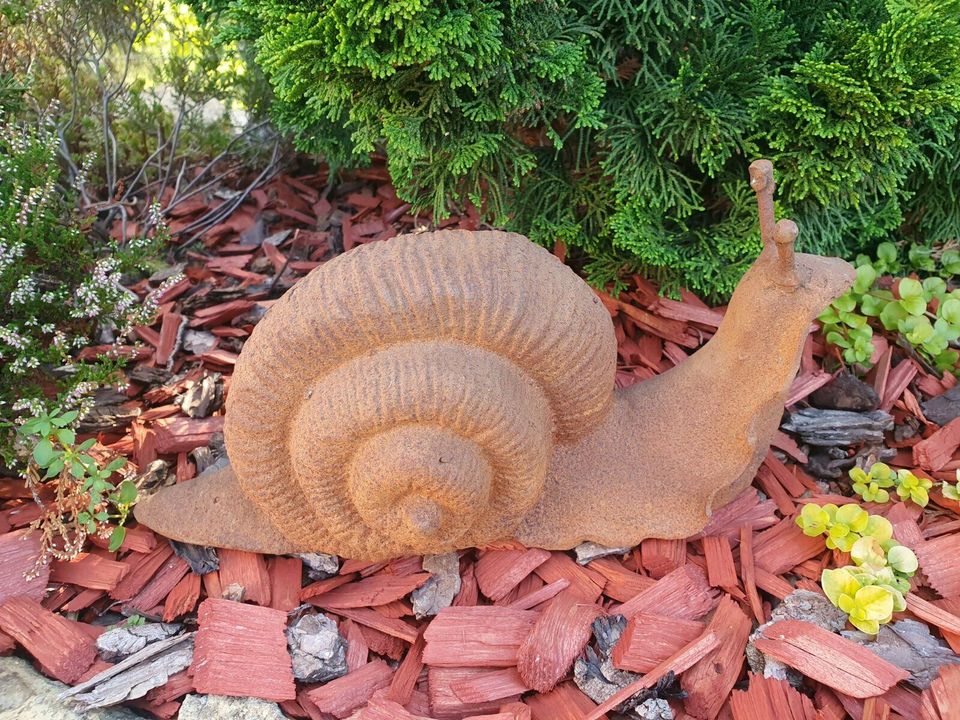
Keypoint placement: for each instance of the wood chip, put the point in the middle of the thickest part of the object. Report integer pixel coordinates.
(585, 584)
(154, 592)
(828, 658)
(677, 663)
(285, 575)
(622, 584)
(358, 652)
(372, 591)
(767, 698)
(557, 638)
(499, 571)
(710, 681)
(19, 552)
(342, 696)
(683, 593)
(183, 598)
(721, 572)
(483, 636)
(660, 557)
(241, 650)
(89, 571)
(63, 649)
(408, 673)
(183, 434)
(141, 569)
(784, 546)
(938, 561)
(565, 702)
(489, 685)
(649, 639)
(389, 626)
(447, 704)
(248, 571)
(937, 450)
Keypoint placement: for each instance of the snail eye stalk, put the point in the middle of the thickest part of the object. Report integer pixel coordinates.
(780, 235)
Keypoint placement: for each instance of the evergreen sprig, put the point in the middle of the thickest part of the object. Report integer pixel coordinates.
(624, 127)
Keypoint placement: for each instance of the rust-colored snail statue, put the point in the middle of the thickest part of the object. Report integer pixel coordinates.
(453, 389)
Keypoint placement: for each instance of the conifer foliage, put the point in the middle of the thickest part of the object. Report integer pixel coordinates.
(624, 127)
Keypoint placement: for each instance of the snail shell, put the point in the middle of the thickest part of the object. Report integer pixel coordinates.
(406, 396)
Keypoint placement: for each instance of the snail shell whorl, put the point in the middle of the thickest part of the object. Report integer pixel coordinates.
(406, 396)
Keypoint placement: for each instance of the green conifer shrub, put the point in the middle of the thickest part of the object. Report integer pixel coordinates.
(624, 127)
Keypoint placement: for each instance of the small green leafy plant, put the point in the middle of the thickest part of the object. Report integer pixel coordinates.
(951, 492)
(85, 500)
(873, 588)
(925, 313)
(872, 485)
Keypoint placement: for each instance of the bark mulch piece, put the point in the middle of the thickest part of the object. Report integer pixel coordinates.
(64, 649)
(767, 698)
(482, 636)
(90, 571)
(558, 636)
(504, 649)
(342, 696)
(241, 650)
(830, 659)
(19, 551)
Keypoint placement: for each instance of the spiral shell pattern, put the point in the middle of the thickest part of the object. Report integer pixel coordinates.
(406, 396)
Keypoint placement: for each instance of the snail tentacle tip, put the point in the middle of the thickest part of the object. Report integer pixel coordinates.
(761, 174)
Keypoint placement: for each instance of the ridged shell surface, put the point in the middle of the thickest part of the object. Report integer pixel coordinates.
(406, 396)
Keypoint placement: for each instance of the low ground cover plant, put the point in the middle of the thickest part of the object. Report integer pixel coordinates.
(925, 313)
(873, 588)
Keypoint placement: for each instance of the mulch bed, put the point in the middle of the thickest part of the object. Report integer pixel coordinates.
(505, 648)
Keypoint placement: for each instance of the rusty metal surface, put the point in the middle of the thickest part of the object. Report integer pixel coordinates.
(455, 388)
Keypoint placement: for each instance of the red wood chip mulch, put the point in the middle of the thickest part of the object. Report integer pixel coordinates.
(505, 648)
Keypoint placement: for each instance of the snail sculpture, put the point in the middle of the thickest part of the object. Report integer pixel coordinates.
(453, 389)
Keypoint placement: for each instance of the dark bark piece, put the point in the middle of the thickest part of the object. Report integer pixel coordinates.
(202, 560)
(846, 392)
(839, 428)
(943, 408)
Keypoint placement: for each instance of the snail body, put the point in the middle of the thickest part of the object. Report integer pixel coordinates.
(453, 389)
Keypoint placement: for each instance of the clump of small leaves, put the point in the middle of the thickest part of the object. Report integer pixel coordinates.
(911, 487)
(925, 313)
(872, 484)
(873, 588)
(85, 500)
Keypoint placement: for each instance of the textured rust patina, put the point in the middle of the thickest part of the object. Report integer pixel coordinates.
(454, 388)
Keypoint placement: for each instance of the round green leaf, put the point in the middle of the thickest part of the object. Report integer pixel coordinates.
(44, 453)
(116, 538)
(866, 275)
(909, 287)
(902, 559)
(127, 493)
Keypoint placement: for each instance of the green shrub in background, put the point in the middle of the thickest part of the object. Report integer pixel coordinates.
(624, 127)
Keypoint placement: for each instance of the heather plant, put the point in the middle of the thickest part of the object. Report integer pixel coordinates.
(58, 286)
(624, 129)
